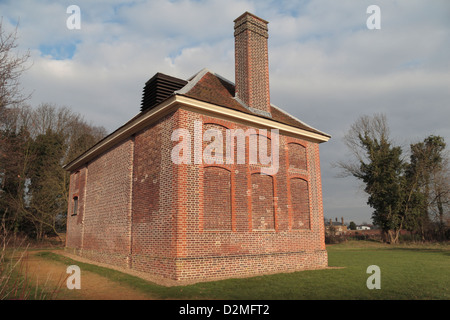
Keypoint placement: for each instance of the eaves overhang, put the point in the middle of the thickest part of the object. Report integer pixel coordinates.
(175, 101)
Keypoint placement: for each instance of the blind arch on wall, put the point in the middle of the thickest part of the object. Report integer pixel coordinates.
(263, 213)
(297, 156)
(217, 199)
(300, 204)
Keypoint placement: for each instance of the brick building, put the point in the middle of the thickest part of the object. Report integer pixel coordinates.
(133, 205)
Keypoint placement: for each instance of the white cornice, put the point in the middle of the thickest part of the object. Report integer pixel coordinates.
(253, 119)
(124, 132)
(142, 121)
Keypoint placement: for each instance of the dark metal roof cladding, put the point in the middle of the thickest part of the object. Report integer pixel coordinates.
(159, 88)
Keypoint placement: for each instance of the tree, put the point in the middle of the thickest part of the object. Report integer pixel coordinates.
(352, 225)
(412, 196)
(440, 199)
(46, 198)
(35, 144)
(427, 176)
(78, 135)
(15, 158)
(14, 136)
(380, 167)
(59, 135)
(11, 68)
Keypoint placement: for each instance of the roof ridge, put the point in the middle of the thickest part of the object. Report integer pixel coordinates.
(297, 119)
(192, 81)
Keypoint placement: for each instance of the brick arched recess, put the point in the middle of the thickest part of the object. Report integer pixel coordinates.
(217, 205)
(263, 188)
(262, 202)
(300, 203)
(297, 156)
(217, 199)
(299, 193)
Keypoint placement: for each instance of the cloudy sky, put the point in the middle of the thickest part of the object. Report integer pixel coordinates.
(326, 67)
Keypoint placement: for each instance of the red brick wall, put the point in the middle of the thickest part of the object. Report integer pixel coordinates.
(262, 202)
(74, 222)
(101, 230)
(297, 156)
(300, 203)
(277, 245)
(217, 198)
(154, 199)
(197, 221)
(107, 218)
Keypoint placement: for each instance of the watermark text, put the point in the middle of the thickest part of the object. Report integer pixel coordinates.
(259, 143)
(73, 22)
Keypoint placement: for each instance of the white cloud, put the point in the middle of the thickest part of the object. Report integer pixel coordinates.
(326, 67)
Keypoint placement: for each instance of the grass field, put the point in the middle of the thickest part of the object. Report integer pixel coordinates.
(407, 272)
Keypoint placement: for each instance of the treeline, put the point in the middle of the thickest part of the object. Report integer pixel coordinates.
(34, 145)
(407, 190)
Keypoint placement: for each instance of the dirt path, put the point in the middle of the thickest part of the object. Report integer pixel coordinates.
(52, 274)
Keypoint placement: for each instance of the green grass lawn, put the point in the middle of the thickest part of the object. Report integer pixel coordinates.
(407, 272)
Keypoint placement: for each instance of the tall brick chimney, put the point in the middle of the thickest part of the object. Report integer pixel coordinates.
(252, 63)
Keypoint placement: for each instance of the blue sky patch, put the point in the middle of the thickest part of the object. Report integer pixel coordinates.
(60, 51)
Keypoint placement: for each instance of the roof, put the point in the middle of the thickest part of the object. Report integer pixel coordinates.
(213, 88)
(204, 90)
(158, 88)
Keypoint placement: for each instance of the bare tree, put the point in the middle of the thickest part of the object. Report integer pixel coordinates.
(439, 202)
(15, 159)
(58, 135)
(378, 164)
(374, 127)
(35, 143)
(77, 133)
(12, 65)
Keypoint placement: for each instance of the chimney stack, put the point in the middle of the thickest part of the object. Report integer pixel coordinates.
(252, 63)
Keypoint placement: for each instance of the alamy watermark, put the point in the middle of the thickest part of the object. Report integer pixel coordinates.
(258, 145)
(74, 279)
(374, 20)
(374, 281)
(73, 22)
